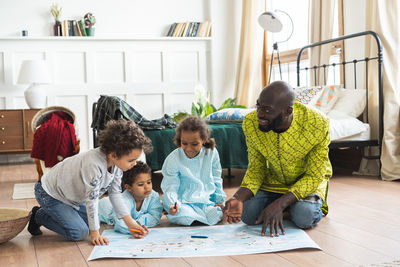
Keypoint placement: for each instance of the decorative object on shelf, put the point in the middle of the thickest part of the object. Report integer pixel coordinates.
(90, 20)
(55, 11)
(24, 33)
(270, 21)
(36, 73)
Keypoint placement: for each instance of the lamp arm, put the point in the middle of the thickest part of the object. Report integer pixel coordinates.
(291, 22)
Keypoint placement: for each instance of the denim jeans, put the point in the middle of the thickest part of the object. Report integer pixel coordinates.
(304, 213)
(60, 217)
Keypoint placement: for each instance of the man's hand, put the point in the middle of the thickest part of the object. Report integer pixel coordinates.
(272, 215)
(234, 206)
(97, 239)
(233, 211)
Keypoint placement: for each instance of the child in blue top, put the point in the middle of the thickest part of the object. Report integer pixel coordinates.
(143, 202)
(192, 183)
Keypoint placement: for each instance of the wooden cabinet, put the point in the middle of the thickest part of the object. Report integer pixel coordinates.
(15, 130)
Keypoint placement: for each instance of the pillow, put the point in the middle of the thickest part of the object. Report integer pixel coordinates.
(351, 101)
(304, 95)
(342, 125)
(326, 98)
(229, 114)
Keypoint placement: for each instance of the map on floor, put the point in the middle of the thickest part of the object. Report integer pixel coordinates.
(218, 240)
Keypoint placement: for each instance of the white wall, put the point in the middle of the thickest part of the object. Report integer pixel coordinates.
(130, 19)
(138, 19)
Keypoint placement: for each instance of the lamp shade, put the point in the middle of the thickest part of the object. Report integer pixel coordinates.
(34, 71)
(270, 21)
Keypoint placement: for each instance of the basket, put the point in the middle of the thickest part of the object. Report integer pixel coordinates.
(12, 222)
(44, 115)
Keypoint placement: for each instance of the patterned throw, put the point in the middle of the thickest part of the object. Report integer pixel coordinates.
(112, 107)
(295, 160)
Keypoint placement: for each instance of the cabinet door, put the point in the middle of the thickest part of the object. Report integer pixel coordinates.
(11, 132)
(28, 134)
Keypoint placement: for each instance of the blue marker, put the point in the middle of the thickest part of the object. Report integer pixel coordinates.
(145, 221)
(199, 236)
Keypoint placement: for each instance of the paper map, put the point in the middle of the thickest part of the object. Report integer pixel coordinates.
(222, 240)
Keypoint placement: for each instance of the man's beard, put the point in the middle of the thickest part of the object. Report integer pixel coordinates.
(278, 121)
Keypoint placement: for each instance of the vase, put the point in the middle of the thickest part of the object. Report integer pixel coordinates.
(57, 28)
(90, 31)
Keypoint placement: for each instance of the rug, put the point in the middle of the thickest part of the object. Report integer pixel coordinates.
(23, 191)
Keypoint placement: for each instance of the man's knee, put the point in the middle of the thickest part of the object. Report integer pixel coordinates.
(306, 214)
(249, 214)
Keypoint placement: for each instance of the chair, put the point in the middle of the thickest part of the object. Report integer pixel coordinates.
(43, 116)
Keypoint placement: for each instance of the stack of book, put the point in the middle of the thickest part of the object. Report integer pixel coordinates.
(72, 28)
(190, 29)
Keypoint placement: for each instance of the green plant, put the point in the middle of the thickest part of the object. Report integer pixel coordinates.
(89, 19)
(55, 11)
(203, 110)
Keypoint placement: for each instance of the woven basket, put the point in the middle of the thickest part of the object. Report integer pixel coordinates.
(12, 222)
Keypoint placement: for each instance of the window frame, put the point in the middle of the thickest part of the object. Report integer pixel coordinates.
(290, 56)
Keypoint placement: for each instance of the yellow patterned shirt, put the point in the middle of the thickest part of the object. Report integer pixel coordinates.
(295, 160)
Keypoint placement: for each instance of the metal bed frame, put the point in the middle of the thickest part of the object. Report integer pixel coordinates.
(361, 143)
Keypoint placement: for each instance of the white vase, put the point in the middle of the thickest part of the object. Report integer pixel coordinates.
(35, 96)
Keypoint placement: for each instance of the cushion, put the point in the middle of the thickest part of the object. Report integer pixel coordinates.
(351, 101)
(229, 114)
(304, 95)
(326, 98)
(342, 125)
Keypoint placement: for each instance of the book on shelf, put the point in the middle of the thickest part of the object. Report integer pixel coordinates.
(186, 28)
(83, 28)
(171, 29)
(190, 29)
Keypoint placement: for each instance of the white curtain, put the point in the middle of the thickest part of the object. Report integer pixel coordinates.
(320, 23)
(383, 17)
(248, 76)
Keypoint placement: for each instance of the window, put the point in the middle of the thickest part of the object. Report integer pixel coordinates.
(299, 13)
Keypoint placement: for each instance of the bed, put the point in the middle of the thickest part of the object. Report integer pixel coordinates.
(360, 138)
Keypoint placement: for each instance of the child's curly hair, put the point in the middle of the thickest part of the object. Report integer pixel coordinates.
(129, 176)
(194, 124)
(121, 137)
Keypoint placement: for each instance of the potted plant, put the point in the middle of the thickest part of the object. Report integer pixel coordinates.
(55, 11)
(90, 20)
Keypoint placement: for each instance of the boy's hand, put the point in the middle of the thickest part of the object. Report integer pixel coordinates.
(138, 231)
(97, 239)
(173, 209)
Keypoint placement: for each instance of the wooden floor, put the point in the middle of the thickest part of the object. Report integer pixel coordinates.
(362, 228)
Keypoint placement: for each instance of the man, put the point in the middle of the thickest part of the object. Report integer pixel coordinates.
(288, 166)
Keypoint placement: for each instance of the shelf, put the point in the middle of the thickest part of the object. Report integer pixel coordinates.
(98, 38)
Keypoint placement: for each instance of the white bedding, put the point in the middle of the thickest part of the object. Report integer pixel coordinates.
(344, 127)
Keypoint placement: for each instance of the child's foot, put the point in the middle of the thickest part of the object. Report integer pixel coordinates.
(33, 227)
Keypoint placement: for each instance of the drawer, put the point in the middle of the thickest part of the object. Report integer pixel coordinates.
(7, 129)
(11, 143)
(10, 117)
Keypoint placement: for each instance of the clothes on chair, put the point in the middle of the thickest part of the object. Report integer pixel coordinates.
(110, 107)
(55, 137)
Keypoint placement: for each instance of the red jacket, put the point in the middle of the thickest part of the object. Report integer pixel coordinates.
(54, 137)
